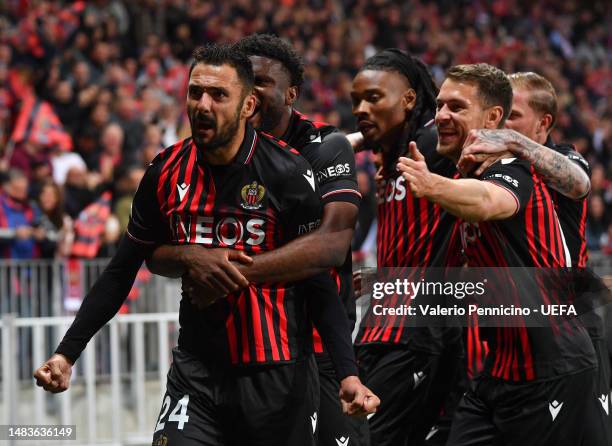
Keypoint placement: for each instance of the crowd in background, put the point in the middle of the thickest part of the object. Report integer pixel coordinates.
(91, 91)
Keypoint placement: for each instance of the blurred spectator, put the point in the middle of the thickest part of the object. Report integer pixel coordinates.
(18, 236)
(111, 154)
(367, 211)
(85, 67)
(80, 190)
(56, 223)
(596, 223)
(125, 188)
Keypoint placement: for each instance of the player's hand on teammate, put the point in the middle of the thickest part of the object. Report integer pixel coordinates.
(357, 400)
(481, 151)
(212, 270)
(54, 374)
(415, 172)
(200, 297)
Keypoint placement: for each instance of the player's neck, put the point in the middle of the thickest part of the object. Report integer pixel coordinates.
(282, 126)
(223, 156)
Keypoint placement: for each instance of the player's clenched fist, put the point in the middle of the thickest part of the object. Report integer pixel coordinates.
(357, 399)
(54, 375)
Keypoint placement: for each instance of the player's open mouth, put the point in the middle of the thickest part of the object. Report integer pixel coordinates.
(203, 130)
(444, 135)
(202, 126)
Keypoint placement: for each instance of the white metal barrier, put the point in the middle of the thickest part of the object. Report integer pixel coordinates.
(46, 288)
(119, 408)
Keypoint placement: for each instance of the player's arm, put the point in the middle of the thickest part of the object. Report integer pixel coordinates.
(313, 253)
(486, 146)
(109, 292)
(327, 246)
(301, 205)
(303, 257)
(469, 199)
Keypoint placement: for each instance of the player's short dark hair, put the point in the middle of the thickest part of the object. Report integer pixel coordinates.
(542, 95)
(418, 76)
(273, 47)
(493, 85)
(217, 55)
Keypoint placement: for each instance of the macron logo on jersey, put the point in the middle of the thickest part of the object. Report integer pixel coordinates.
(313, 421)
(418, 378)
(182, 190)
(343, 441)
(310, 178)
(555, 408)
(604, 399)
(434, 430)
(316, 138)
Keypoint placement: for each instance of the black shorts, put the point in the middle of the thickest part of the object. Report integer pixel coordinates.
(542, 413)
(257, 405)
(455, 374)
(598, 430)
(336, 428)
(411, 388)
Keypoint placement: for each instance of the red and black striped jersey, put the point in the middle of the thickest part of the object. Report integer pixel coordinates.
(572, 216)
(333, 161)
(266, 197)
(531, 238)
(572, 213)
(412, 232)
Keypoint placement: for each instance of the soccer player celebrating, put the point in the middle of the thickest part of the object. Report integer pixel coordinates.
(244, 360)
(531, 388)
(278, 77)
(409, 368)
(533, 116)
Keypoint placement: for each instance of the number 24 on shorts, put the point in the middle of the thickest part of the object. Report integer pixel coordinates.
(179, 413)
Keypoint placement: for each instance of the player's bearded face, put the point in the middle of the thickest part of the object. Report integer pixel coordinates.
(222, 133)
(459, 110)
(379, 106)
(214, 104)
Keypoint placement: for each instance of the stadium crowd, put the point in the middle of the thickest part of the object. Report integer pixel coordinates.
(91, 91)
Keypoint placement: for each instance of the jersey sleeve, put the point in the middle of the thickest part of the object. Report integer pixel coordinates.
(333, 161)
(105, 298)
(300, 205)
(568, 151)
(514, 176)
(146, 225)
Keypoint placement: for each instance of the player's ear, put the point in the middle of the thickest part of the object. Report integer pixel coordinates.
(291, 95)
(409, 100)
(248, 106)
(493, 117)
(545, 124)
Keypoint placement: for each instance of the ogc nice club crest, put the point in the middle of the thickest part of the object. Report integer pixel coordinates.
(252, 196)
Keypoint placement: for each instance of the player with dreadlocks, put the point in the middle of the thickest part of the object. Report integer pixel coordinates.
(410, 368)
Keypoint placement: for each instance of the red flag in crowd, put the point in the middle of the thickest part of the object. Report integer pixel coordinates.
(37, 123)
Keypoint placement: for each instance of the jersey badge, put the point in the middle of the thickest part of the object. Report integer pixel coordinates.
(252, 196)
